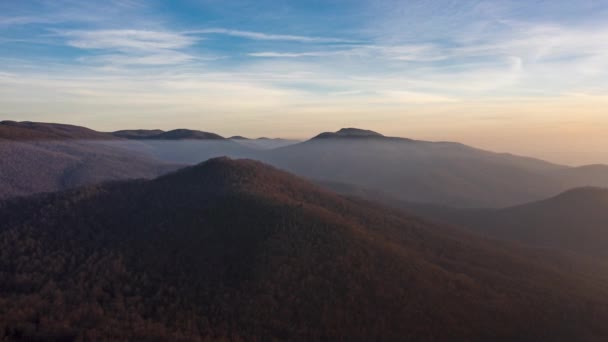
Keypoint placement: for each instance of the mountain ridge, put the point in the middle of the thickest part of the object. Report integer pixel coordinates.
(175, 134)
(355, 133)
(28, 131)
(574, 221)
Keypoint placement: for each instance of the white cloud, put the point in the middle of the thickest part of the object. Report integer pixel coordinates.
(24, 20)
(156, 58)
(131, 47)
(126, 40)
(267, 36)
(406, 53)
(273, 54)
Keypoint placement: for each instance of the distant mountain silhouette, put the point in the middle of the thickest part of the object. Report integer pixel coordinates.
(263, 143)
(576, 220)
(434, 172)
(176, 134)
(418, 171)
(240, 250)
(41, 157)
(28, 131)
(238, 137)
(355, 133)
(137, 133)
(588, 175)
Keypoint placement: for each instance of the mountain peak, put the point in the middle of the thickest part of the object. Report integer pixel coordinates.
(350, 133)
(356, 133)
(227, 175)
(176, 134)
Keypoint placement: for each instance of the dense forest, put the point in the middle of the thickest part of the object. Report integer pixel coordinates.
(242, 251)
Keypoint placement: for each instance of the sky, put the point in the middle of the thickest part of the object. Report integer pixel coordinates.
(528, 77)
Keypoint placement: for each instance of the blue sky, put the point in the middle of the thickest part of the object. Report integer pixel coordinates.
(482, 72)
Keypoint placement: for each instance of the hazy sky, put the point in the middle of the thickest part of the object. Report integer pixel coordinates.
(529, 77)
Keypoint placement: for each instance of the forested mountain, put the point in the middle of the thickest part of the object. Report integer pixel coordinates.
(137, 133)
(42, 166)
(40, 157)
(240, 250)
(434, 172)
(176, 134)
(28, 131)
(576, 221)
(442, 173)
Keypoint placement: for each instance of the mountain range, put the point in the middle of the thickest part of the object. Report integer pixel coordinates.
(444, 173)
(176, 134)
(433, 172)
(38, 158)
(237, 250)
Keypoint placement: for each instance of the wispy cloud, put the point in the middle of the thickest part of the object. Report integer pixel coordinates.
(155, 58)
(68, 11)
(406, 53)
(24, 20)
(269, 36)
(126, 40)
(125, 47)
(274, 54)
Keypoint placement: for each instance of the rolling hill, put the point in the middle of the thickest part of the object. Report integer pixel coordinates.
(240, 250)
(575, 221)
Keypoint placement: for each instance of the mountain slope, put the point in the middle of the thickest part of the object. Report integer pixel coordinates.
(576, 220)
(238, 249)
(32, 167)
(40, 157)
(445, 173)
(28, 131)
(433, 172)
(587, 175)
(353, 133)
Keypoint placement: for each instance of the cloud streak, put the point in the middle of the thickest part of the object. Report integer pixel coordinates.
(270, 37)
(131, 47)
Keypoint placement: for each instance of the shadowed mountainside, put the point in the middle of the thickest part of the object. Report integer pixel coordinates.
(576, 221)
(238, 249)
(42, 166)
(40, 157)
